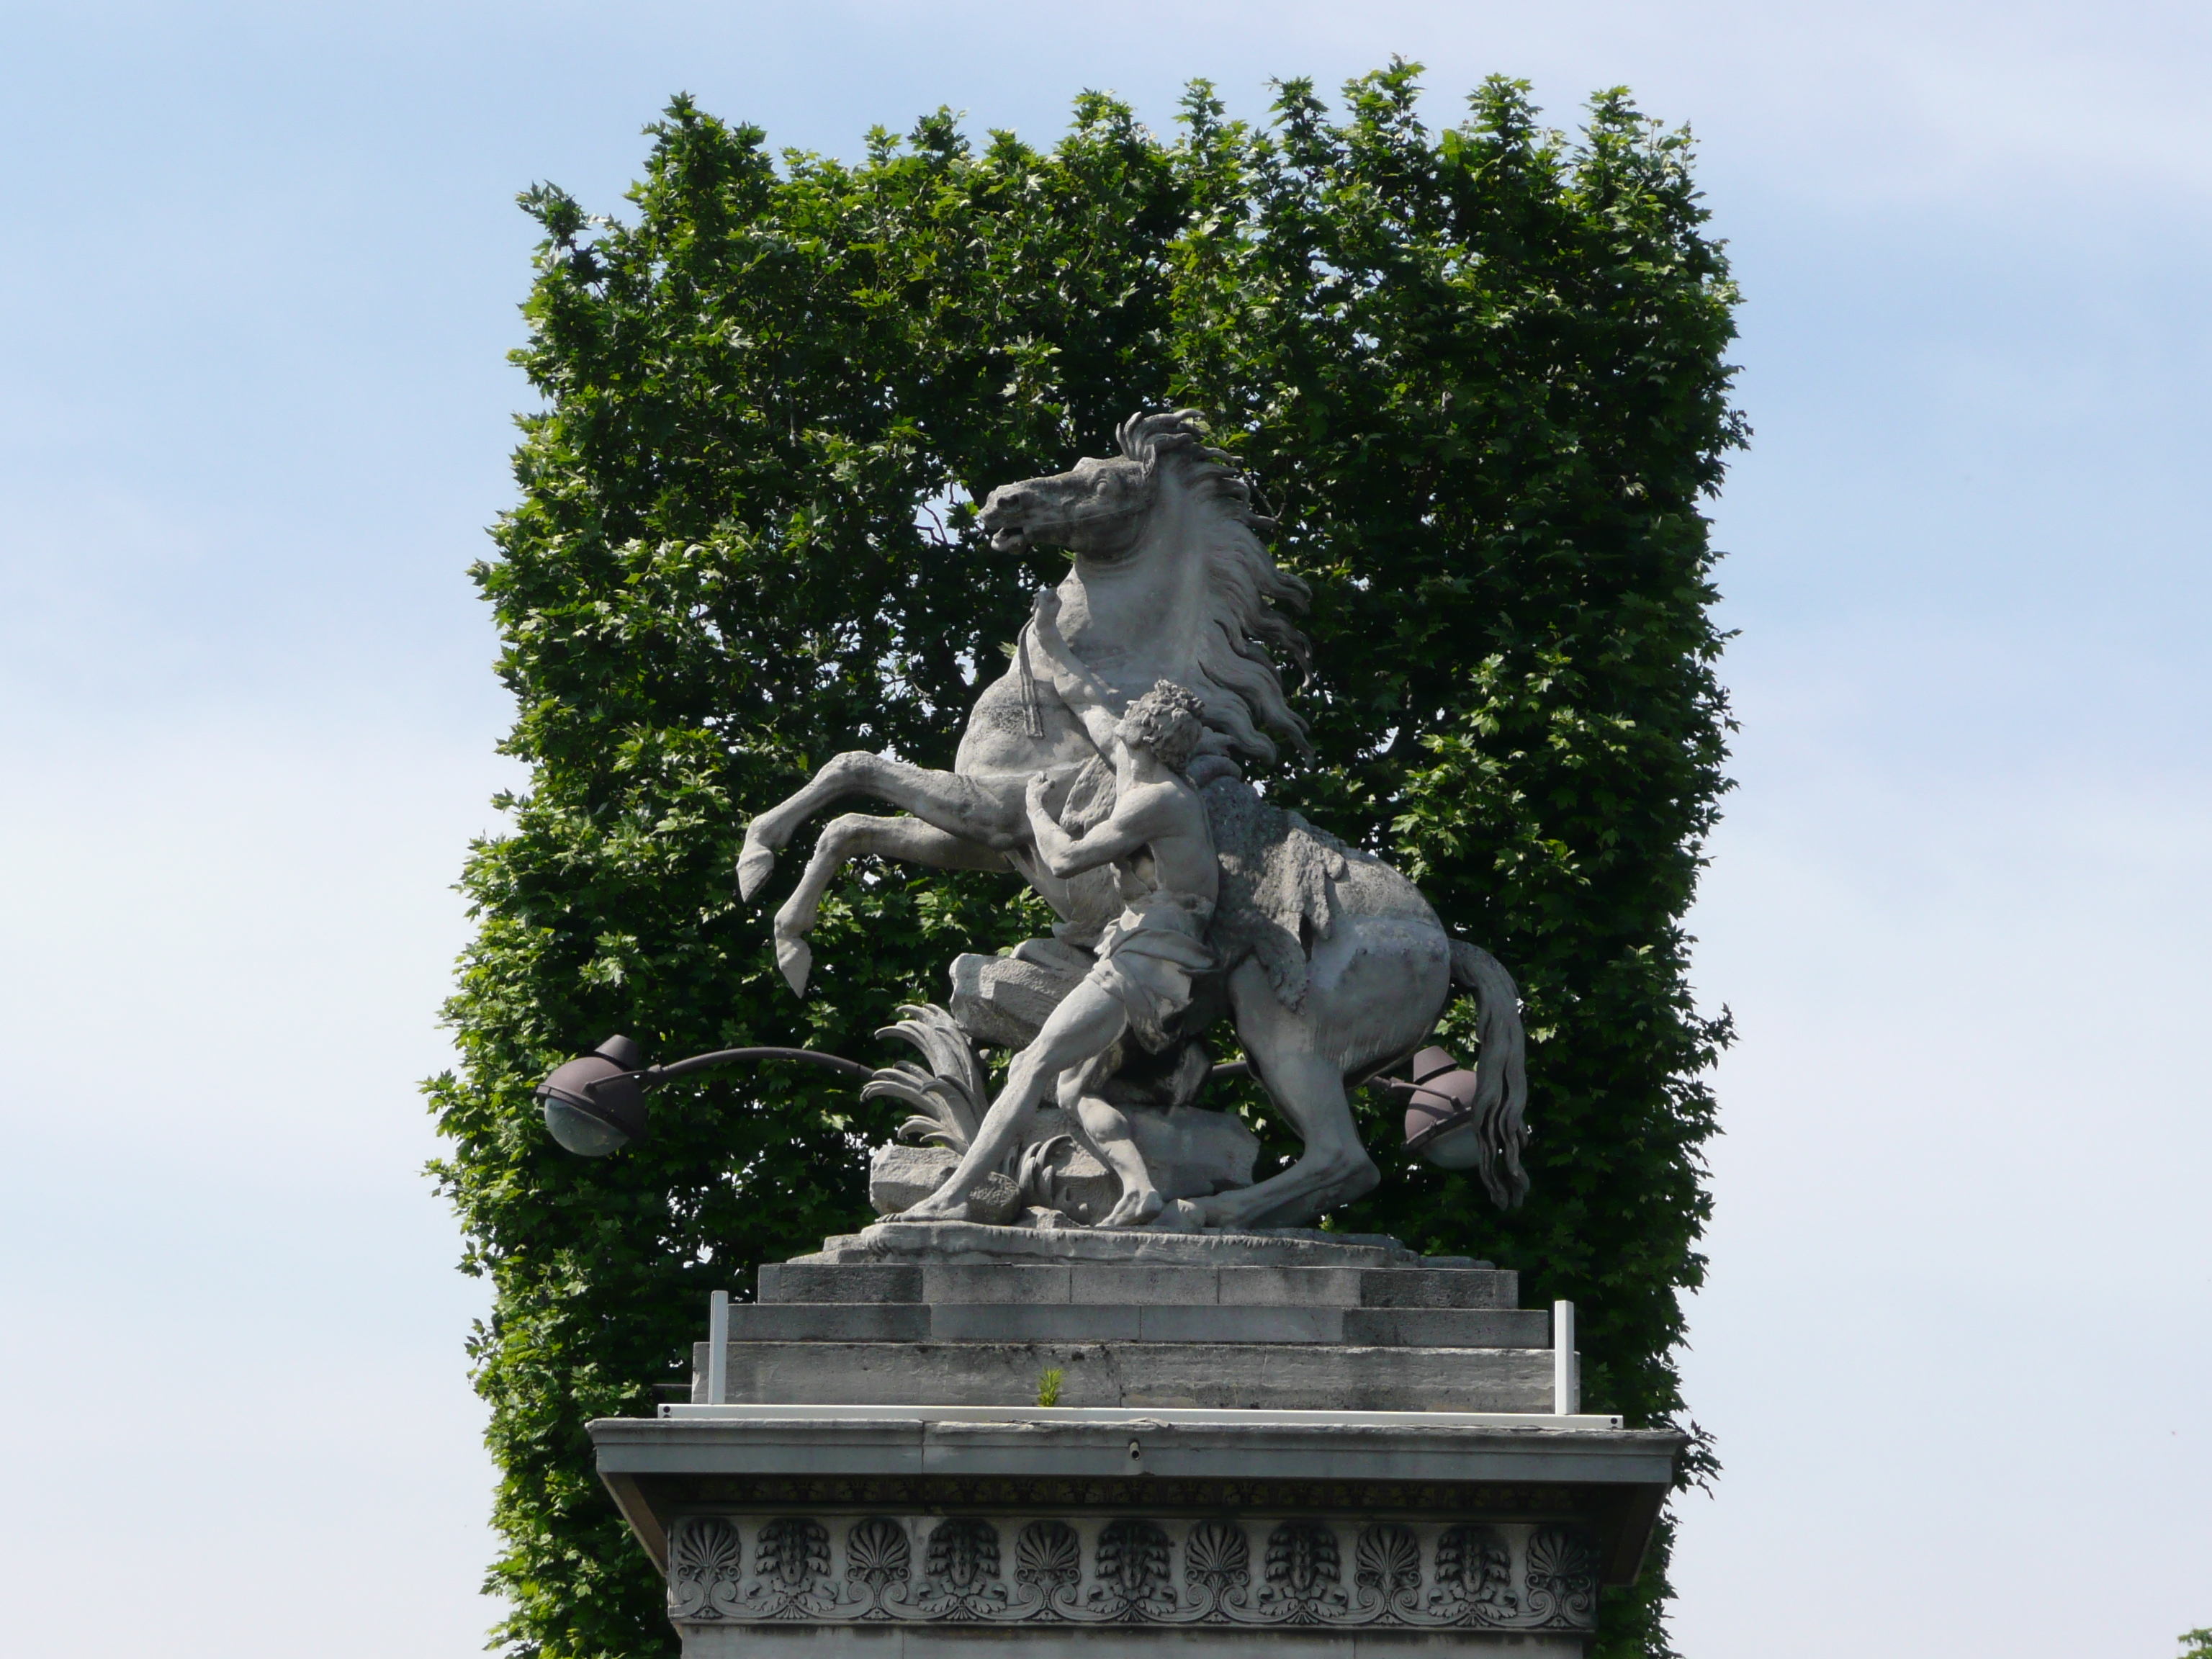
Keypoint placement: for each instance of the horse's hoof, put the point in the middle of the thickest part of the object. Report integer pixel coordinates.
(754, 865)
(796, 957)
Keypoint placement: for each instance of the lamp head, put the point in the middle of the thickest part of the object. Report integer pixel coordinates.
(1441, 1123)
(595, 1104)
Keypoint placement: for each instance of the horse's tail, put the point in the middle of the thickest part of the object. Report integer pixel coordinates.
(1501, 1072)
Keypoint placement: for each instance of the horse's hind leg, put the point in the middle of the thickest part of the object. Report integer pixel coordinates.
(854, 836)
(958, 805)
(1307, 1086)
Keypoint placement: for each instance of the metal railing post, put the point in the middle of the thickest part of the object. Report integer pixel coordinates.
(718, 1349)
(1566, 1390)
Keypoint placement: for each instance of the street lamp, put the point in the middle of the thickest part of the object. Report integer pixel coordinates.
(1444, 1116)
(595, 1104)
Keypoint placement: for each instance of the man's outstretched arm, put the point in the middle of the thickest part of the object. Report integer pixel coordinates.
(1128, 829)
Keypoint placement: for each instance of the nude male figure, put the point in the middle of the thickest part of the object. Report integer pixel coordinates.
(1162, 851)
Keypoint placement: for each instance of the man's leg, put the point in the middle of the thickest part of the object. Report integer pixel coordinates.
(1088, 1019)
(1110, 1133)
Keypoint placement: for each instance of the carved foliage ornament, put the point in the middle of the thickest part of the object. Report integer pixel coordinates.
(1130, 1569)
(961, 1570)
(1302, 1571)
(703, 1578)
(1049, 1557)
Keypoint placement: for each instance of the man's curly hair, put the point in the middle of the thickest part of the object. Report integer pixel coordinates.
(1170, 721)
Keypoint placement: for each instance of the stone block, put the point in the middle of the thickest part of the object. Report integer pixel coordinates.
(900, 1177)
(995, 1281)
(1027, 1322)
(1290, 1287)
(1004, 1001)
(1263, 1324)
(1289, 1376)
(916, 1374)
(1450, 1327)
(1293, 1377)
(1441, 1287)
(829, 1321)
(858, 1281)
(1093, 1282)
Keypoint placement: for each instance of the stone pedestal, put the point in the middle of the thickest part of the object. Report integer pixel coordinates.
(1280, 1445)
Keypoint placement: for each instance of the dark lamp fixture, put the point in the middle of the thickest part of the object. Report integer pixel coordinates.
(1442, 1121)
(595, 1104)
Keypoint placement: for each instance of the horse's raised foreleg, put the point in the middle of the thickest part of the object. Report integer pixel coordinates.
(958, 805)
(854, 836)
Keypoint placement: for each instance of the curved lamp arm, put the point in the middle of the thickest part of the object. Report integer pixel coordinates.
(595, 1104)
(654, 1076)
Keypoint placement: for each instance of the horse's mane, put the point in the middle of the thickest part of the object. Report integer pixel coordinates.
(1236, 675)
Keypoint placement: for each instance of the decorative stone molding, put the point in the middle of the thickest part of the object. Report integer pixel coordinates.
(795, 1492)
(1339, 1571)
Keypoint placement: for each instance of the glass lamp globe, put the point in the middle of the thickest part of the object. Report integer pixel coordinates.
(594, 1105)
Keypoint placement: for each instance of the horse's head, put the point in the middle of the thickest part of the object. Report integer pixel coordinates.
(1170, 581)
(1094, 509)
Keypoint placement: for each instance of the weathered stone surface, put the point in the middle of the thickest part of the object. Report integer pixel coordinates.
(967, 1241)
(1384, 1291)
(1295, 1288)
(829, 1321)
(1024, 1322)
(1217, 1324)
(1442, 1287)
(1450, 1327)
(1133, 1282)
(1190, 1154)
(1003, 1001)
(1194, 1153)
(996, 1281)
(1081, 1188)
(1013, 1321)
(857, 1281)
(900, 1177)
(1288, 1377)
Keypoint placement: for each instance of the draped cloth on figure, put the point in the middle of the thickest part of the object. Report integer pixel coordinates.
(1147, 957)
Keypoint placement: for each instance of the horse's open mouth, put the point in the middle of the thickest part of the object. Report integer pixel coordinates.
(1102, 533)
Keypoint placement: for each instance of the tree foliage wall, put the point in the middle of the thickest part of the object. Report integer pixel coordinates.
(1477, 371)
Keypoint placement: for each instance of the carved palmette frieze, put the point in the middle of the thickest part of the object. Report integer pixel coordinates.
(1248, 1571)
(704, 1575)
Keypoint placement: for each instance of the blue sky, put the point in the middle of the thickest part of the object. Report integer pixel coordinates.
(254, 415)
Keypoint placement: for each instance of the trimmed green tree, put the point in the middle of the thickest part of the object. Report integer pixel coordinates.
(1478, 375)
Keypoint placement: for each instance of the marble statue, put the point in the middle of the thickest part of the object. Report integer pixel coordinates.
(1105, 768)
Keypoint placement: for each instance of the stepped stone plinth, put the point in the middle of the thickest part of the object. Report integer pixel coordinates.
(1285, 1443)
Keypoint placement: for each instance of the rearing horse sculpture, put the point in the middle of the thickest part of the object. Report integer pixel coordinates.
(1336, 966)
